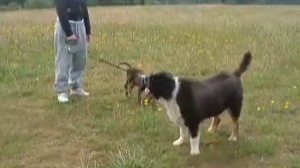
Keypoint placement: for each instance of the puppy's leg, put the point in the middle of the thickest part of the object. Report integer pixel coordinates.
(214, 124)
(126, 88)
(194, 140)
(131, 86)
(183, 135)
(235, 113)
(140, 101)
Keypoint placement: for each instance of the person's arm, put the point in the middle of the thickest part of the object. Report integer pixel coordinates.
(61, 9)
(86, 19)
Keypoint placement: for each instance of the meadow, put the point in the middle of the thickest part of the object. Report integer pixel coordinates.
(108, 130)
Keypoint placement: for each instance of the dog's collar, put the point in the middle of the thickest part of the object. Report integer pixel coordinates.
(143, 76)
(145, 80)
(177, 83)
(176, 79)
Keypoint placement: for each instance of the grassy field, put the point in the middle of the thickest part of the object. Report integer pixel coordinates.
(108, 130)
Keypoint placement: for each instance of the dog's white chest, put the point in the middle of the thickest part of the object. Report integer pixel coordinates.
(172, 107)
(173, 110)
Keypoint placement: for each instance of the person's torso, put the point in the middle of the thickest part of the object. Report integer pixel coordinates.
(75, 9)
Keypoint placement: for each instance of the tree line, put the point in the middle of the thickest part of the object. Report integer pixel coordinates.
(50, 3)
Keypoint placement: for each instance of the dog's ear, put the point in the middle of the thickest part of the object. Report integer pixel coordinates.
(166, 73)
(169, 74)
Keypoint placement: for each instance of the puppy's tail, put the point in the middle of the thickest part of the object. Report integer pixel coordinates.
(244, 64)
(125, 63)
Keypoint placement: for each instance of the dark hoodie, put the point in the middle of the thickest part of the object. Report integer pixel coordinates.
(72, 10)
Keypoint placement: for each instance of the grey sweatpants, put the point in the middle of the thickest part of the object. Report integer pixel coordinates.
(70, 57)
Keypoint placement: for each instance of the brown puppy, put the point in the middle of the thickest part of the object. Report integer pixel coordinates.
(134, 78)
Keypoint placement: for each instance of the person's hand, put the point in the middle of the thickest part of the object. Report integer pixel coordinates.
(88, 38)
(72, 38)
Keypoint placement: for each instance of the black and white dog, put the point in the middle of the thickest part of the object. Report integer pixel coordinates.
(188, 102)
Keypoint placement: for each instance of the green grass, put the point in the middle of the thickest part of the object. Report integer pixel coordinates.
(108, 130)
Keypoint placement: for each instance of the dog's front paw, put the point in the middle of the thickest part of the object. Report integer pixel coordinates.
(178, 142)
(195, 152)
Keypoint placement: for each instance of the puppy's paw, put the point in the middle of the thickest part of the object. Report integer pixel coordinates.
(178, 142)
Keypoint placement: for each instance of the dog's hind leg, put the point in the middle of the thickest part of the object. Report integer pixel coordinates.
(235, 113)
(214, 124)
(235, 127)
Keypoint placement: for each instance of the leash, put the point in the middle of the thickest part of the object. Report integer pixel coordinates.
(111, 64)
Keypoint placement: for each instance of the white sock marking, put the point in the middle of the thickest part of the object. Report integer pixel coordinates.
(182, 137)
(194, 143)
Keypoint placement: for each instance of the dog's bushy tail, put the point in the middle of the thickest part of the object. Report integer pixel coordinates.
(125, 63)
(244, 64)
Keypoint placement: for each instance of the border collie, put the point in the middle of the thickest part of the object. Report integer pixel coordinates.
(188, 102)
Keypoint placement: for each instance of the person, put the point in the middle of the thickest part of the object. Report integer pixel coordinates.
(71, 37)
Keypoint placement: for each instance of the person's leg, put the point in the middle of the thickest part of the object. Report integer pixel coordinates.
(62, 64)
(79, 62)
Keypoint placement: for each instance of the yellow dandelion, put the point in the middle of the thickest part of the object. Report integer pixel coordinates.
(146, 102)
(272, 101)
(286, 105)
(295, 87)
(258, 108)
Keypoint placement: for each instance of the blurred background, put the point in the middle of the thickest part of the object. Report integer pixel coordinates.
(18, 4)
